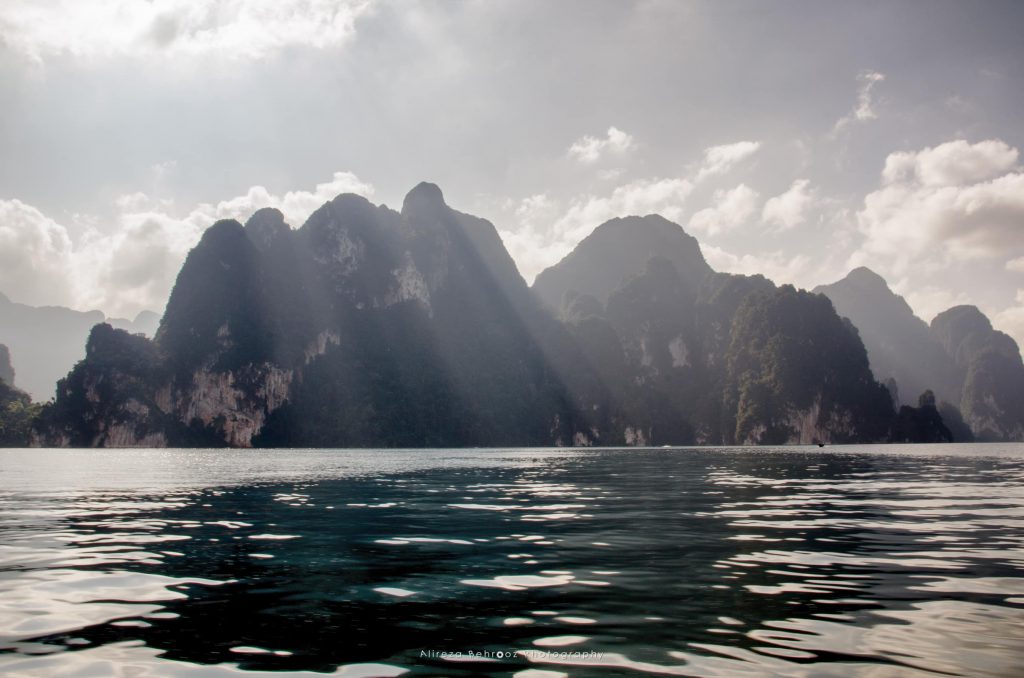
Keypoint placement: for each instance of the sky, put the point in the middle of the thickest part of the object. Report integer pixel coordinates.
(794, 139)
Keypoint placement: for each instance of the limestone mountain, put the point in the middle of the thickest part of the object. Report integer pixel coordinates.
(974, 371)
(46, 341)
(705, 357)
(616, 250)
(992, 397)
(797, 371)
(371, 327)
(900, 345)
(365, 327)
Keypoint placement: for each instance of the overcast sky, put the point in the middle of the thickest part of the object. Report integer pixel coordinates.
(795, 139)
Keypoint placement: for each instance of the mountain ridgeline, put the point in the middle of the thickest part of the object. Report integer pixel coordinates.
(46, 341)
(973, 371)
(370, 327)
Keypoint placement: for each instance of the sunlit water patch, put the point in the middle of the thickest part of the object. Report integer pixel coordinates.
(872, 561)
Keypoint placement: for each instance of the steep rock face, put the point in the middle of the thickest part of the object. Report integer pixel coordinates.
(108, 398)
(900, 345)
(6, 369)
(365, 327)
(992, 398)
(973, 370)
(370, 327)
(616, 250)
(798, 373)
(735, 361)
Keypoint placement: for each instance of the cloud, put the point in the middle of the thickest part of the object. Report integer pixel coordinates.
(1015, 265)
(589, 150)
(929, 300)
(35, 255)
(779, 266)
(1011, 320)
(721, 159)
(946, 204)
(531, 243)
(295, 205)
(546, 230)
(953, 163)
(788, 210)
(238, 29)
(132, 266)
(731, 209)
(865, 108)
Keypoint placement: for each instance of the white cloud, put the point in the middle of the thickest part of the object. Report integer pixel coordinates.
(1011, 320)
(35, 255)
(865, 108)
(1015, 265)
(721, 159)
(546, 231)
(731, 209)
(132, 267)
(644, 196)
(928, 300)
(953, 163)
(589, 149)
(530, 243)
(779, 266)
(295, 205)
(238, 29)
(789, 209)
(945, 203)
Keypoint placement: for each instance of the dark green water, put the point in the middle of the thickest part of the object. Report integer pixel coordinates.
(872, 561)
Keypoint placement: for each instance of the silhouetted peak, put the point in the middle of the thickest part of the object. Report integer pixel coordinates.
(619, 249)
(224, 231)
(344, 209)
(647, 221)
(266, 216)
(265, 226)
(866, 278)
(966, 317)
(425, 197)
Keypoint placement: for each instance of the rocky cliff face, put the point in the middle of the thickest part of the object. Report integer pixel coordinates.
(370, 327)
(798, 373)
(365, 327)
(992, 397)
(725, 359)
(900, 345)
(973, 371)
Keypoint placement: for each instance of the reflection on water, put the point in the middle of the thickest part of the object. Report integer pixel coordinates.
(796, 562)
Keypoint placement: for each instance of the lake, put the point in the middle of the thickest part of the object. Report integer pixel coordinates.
(844, 561)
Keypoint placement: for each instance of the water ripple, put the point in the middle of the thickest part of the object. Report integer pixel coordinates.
(864, 561)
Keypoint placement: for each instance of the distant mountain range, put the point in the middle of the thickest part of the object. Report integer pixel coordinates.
(974, 371)
(45, 342)
(371, 327)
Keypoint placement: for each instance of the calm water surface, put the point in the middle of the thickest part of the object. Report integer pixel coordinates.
(853, 561)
